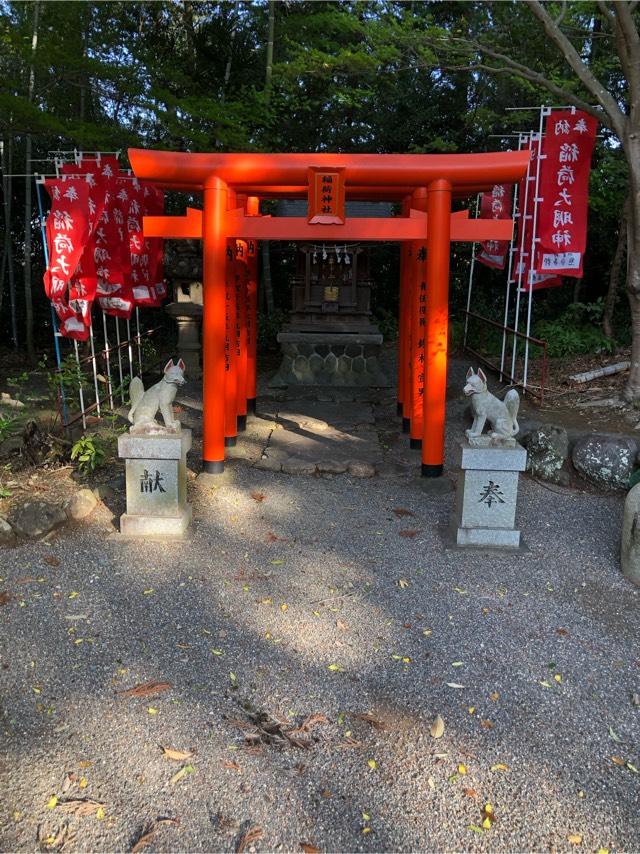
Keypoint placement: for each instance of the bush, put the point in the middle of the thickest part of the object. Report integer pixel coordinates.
(89, 453)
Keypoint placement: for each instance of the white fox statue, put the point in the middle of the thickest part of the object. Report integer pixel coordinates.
(145, 404)
(502, 415)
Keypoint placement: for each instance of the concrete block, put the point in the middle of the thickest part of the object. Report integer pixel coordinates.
(492, 459)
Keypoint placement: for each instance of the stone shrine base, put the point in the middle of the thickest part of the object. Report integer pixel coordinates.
(330, 359)
(156, 477)
(486, 496)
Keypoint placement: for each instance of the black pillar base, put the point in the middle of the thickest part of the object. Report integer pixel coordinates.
(213, 466)
(230, 441)
(415, 444)
(431, 471)
(251, 406)
(406, 425)
(399, 408)
(242, 423)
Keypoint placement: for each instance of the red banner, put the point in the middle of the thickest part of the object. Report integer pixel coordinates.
(564, 189)
(67, 232)
(495, 205)
(522, 274)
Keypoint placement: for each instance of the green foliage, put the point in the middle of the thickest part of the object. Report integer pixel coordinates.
(68, 375)
(89, 453)
(8, 426)
(575, 331)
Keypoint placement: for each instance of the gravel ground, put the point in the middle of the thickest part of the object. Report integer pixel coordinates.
(329, 596)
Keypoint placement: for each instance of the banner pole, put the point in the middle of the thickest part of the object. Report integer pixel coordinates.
(544, 111)
(54, 319)
(520, 267)
(514, 214)
(80, 392)
(95, 368)
(118, 342)
(471, 272)
(107, 353)
(138, 339)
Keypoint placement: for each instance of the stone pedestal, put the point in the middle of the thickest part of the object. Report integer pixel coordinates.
(487, 492)
(330, 359)
(156, 475)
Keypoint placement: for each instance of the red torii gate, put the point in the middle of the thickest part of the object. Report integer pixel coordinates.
(232, 187)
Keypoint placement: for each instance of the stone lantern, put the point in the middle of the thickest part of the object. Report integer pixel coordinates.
(184, 271)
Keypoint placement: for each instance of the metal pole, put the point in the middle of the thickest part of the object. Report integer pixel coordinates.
(138, 339)
(54, 318)
(107, 353)
(471, 271)
(520, 268)
(120, 360)
(514, 208)
(130, 348)
(95, 367)
(80, 392)
(544, 111)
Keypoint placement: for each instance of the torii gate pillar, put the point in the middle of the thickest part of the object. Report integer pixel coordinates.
(213, 323)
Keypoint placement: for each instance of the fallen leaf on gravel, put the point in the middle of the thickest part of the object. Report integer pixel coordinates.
(152, 711)
(258, 496)
(402, 583)
(176, 755)
(495, 696)
(335, 668)
(499, 766)
(51, 803)
(635, 699)
(248, 838)
(462, 769)
(326, 793)
(51, 560)
(67, 783)
(575, 838)
(5, 597)
(437, 727)
(614, 735)
(229, 763)
(74, 594)
(475, 828)
(544, 683)
(85, 763)
(632, 768)
(342, 626)
(409, 534)
(562, 632)
(400, 511)
(454, 685)
(100, 813)
(146, 689)
(486, 724)
(470, 793)
(308, 848)
(457, 663)
(372, 764)
(488, 816)
(183, 772)
(80, 806)
(617, 760)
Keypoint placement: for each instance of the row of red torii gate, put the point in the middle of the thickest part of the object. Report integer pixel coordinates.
(230, 226)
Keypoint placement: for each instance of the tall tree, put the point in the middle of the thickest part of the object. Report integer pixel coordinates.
(595, 57)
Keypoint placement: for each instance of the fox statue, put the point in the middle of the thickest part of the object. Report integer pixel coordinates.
(145, 404)
(502, 415)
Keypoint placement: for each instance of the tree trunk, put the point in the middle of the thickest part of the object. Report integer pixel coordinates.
(632, 390)
(616, 270)
(267, 287)
(28, 296)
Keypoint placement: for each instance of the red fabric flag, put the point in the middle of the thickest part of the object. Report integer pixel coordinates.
(67, 230)
(564, 189)
(495, 205)
(522, 272)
